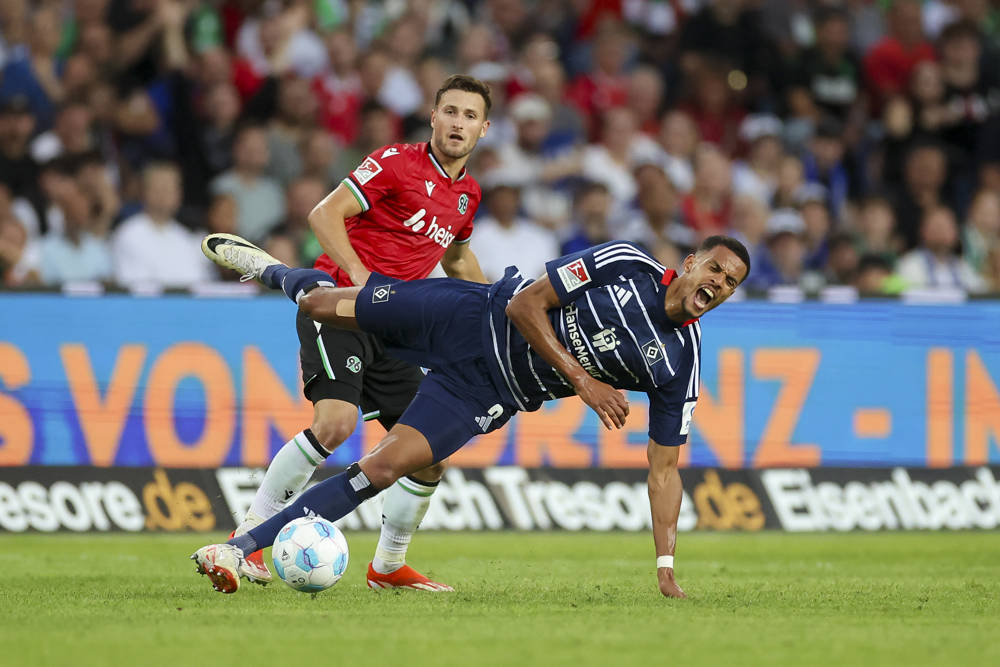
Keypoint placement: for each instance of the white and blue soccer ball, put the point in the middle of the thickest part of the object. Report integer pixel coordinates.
(310, 554)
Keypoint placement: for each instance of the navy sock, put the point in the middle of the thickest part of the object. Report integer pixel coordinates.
(332, 499)
(295, 282)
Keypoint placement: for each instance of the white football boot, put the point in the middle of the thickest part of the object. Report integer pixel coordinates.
(254, 568)
(235, 252)
(223, 563)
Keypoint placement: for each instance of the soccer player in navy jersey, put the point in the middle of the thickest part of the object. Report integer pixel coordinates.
(599, 321)
(403, 210)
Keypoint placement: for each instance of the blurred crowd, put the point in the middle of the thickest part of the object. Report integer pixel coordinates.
(846, 142)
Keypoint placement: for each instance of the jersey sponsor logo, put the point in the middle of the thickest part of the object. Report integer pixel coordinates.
(574, 274)
(652, 352)
(430, 187)
(577, 345)
(605, 340)
(435, 232)
(622, 295)
(367, 170)
(381, 294)
(353, 364)
(463, 203)
(389, 152)
(687, 416)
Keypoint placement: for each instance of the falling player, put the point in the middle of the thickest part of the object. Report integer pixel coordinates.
(406, 208)
(601, 320)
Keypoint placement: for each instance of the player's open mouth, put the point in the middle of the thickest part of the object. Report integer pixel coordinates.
(456, 137)
(703, 296)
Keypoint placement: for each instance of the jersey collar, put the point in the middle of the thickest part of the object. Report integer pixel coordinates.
(668, 277)
(440, 169)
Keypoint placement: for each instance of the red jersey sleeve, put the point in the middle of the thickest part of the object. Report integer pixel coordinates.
(376, 177)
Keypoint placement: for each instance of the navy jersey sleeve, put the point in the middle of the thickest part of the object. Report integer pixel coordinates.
(574, 274)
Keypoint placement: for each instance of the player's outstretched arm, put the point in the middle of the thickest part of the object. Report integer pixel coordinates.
(665, 492)
(327, 222)
(460, 262)
(527, 311)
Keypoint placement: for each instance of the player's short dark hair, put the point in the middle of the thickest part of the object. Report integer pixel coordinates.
(468, 84)
(738, 248)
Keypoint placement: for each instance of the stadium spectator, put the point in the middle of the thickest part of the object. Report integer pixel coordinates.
(295, 116)
(826, 79)
(604, 86)
(824, 164)
(301, 197)
(842, 261)
(151, 248)
(706, 208)
(935, 263)
(876, 228)
(568, 125)
(338, 88)
(981, 231)
(260, 199)
(35, 73)
(656, 223)
(874, 276)
(757, 175)
(816, 225)
(679, 140)
(590, 222)
(505, 238)
(19, 258)
(714, 107)
(18, 169)
(923, 188)
(611, 160)
(77, 254)
(70, 133)
(782, 262)
(645, 98)
(890, 62)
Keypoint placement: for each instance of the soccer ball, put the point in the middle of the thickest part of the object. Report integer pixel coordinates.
(310, 554)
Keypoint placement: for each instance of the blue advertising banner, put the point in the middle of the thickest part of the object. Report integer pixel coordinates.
(181, 381)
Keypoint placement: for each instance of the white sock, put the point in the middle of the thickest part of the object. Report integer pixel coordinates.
(287, 475)
(405, 505)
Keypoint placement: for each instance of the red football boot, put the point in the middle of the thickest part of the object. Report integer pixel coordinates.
(404, 577)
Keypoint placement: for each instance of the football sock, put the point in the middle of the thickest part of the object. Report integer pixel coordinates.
(287, 475)
(406, 503)
(295, 282)
(331, 499)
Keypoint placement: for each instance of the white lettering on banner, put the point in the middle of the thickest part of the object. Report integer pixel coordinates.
(98, 506)
(239, 486)
(899, 502)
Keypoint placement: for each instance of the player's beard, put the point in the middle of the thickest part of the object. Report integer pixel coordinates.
(441, 143)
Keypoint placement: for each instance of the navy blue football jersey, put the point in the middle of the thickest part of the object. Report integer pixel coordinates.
(612, 319)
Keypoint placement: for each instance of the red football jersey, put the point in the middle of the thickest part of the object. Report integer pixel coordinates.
(412, 212)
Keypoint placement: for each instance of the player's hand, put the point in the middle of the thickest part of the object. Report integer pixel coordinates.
(668, 586)
(608, 402)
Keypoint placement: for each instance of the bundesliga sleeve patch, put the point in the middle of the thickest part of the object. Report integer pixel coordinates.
(367, 170)
(573, 275)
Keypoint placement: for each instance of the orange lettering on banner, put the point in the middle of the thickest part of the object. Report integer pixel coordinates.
(982, 411)
(940, 408)
(720, 422)
(545, 437)
(17, 433)
(796, 370)
(484, 450)
(266, 401)
(102, 421)
(178, 507)
(199, 361)
(613, 448)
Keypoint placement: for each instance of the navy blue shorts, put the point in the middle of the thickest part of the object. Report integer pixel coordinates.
(438, 324)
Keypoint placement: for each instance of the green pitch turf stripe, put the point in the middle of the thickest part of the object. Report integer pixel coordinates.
(326, 360)
(416, 492)
(299, 445)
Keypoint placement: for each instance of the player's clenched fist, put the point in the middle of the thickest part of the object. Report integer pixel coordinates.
(668, 586)
(608, 402)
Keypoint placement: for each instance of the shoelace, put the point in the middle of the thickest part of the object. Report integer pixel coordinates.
(255, 264)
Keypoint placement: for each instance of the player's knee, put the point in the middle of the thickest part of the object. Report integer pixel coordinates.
(432, 473)
(381, 473)
(333, 431)
(309, 303)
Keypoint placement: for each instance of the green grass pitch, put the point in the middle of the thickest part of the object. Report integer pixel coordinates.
(522, 599)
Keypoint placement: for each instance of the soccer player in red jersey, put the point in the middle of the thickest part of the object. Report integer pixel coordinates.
(405, 208)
